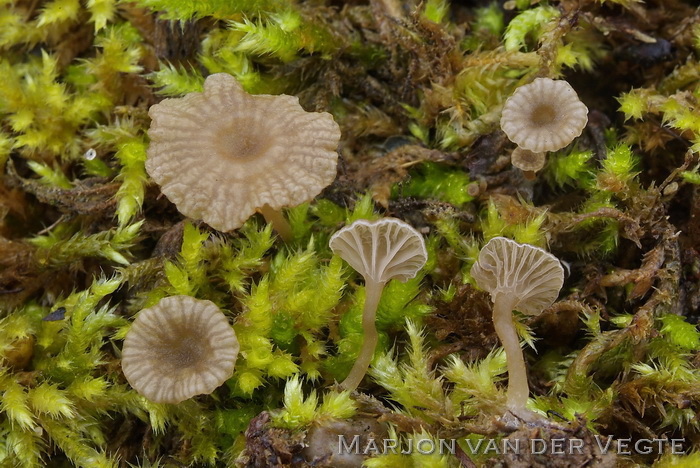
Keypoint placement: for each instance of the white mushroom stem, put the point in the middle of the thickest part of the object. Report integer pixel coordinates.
(279, 223)
(518, 389)
(373, 292)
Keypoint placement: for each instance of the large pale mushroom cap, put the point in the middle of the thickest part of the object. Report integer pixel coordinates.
(179, 348)
(545, 115)
(381, 250)
(222, 154)
(529, 273)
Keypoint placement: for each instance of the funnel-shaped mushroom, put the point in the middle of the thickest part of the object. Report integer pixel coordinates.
(545, 115)
(179, 348)
(380, 251)
(523, 278)
(224, 154)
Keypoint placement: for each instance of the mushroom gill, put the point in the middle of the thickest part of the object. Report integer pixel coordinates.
(179, 348)
(523, 278)
(380, 251)
(223, 154)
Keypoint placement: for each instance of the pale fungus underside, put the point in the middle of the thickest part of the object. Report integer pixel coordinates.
(179, 348)
(380, 251)
(523, 278)
(223, 154)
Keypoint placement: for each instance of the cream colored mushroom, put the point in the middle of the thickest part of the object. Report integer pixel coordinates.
(527, 160)
(380, 251)
(179, 348)
(224, 154)
(523, 278)
(545, 115)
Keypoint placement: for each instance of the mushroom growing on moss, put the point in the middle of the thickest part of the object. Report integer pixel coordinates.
(179, 348)
(380, 251)
(545, 115)
(223, 154)
(523, 278)
(527, 161)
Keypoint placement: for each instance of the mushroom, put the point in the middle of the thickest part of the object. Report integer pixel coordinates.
(523, 278)
(527, 160)
(545, 115)
(380, 251)
(179, 348)
(224, 154)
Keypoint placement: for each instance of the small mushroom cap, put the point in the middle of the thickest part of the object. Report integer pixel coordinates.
(381, 250)
(527, 160)
(545, 115)
(179, 348)
(529, 273)
(222, 154)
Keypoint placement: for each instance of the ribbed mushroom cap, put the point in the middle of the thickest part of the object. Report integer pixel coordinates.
(179, 348)
(545, 115)
(527, 160)
(529, 273)
(381, 250)
(222, 154)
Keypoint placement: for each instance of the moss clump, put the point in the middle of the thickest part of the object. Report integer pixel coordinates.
(86, 240)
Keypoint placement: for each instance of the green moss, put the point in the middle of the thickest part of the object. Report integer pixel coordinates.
(678, 461)
(65, 245)
(529, 232)
(436, 10)
(299, 411)
(528, 22)
(87, 241)
(172, 81)
(572, 169)
(436, 182)
(680, 333)
(221, 9)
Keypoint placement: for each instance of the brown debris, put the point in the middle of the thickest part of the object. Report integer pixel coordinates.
(177, 41)
(18, 273)
(560, 323)
(74, 43)
(383, 172)
(643, 277)
(170, 242)
(91, 196)
(270, 447)
(464, 325)
(322, 446)
(558, 454)
(13, 204)
(630, 226)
